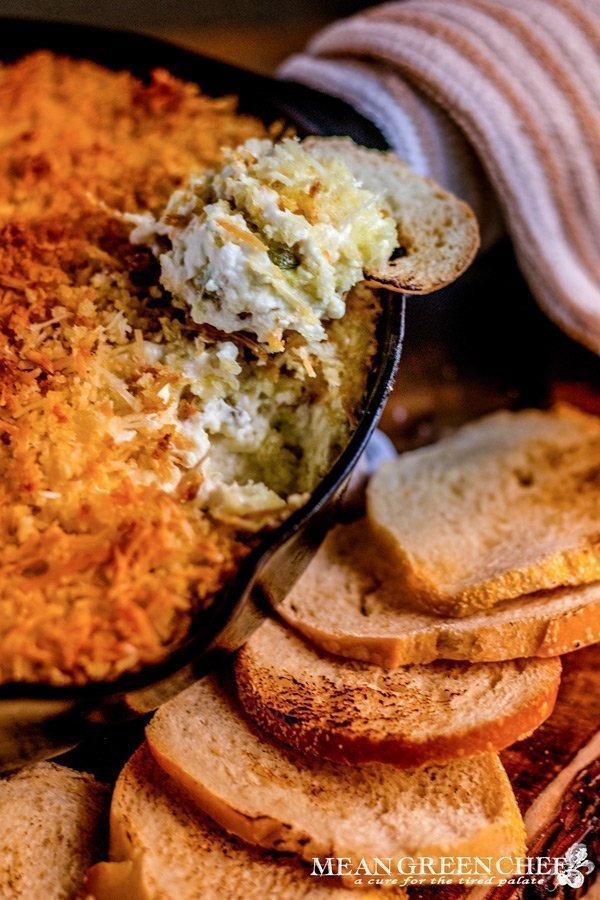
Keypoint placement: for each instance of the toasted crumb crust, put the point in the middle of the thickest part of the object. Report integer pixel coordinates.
(98, 572)
(105, 554)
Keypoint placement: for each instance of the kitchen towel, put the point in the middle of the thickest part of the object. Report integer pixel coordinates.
(499, 100)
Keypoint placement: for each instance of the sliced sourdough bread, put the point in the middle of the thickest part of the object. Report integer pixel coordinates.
(342, 607)
(507, 506)
(52, 822)
(437, 232)
(276, 797)
(356, 713)
(164, 846)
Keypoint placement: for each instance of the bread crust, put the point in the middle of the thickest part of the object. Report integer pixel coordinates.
(319, 710)
(438, 233)
(115, 881)
(344, 746)
(504, 507)
(545, 636)
(342, 609)
(249, 770)
(569, 568)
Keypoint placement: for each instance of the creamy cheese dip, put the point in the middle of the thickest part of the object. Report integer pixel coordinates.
(227, 418)
(249, 440)
(263, 257)
(138, 447)
(270, 243)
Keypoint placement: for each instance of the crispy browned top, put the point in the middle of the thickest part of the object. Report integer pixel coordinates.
(99, 572)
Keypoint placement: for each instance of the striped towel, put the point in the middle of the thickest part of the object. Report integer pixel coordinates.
(499, 100)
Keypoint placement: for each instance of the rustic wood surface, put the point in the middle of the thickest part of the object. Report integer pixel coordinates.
(532, 765)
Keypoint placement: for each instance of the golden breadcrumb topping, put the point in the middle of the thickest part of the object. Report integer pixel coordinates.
(98, 573)
(105, 551)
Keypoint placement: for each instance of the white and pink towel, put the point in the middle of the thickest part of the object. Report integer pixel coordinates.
(499, 100)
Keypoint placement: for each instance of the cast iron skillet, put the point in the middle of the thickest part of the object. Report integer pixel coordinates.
(38, 721)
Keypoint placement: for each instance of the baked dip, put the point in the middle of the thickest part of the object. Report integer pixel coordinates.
(180, 299)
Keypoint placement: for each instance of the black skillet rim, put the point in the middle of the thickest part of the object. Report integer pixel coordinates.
(267, 98)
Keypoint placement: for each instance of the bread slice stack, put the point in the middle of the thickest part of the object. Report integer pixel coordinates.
(507, 506)
(344, 607)
(482, 547)
(214, 800)
(359, 723)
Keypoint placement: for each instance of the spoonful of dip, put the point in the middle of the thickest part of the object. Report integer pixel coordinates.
(271, 243)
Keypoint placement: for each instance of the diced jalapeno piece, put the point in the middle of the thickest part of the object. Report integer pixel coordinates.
(283, 257)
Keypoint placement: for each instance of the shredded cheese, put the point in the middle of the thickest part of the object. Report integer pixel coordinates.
(99, 571)
(137, 453)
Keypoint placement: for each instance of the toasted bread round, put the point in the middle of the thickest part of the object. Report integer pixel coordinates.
(52, 822)
(506, 506)
(437, 233)
(273, 796)
(356, 713)
(343, 608)
(164, 846)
